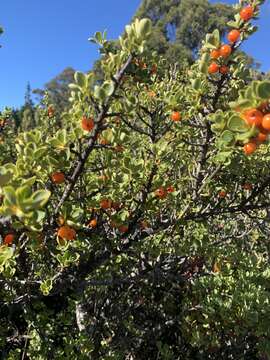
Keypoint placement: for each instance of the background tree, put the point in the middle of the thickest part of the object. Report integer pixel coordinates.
(181, 25)
(1, 32)
(58, 90)
(27, 111)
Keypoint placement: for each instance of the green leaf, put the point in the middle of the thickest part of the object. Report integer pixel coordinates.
(235, 123)
(247, 135)
(203, 65)
(123, 215)
(5, 176)
(196, 84)
(40, 198)
(40, 152)
(22, 194)
(242, 104)
(232, 24)
(98, 37)
(9, 195)
(46, 287)
(99, 93)
(29, 182)
(108, 87)
(216, 38)
(74, 87)
(80, 78)
(227, 137)
(263, 90)
(6, 253)
(144, 27)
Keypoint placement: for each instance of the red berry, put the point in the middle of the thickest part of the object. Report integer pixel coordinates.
(105, 204)
(222, 194)
(266, 122)
(170, 189)
(249, 148)
(58, 177)
(8, 239)
(247, 186)
(260, 138)
(224, 69)
(87, 124)
(253, 117)
(175, 116)
(233, 36)
(247, 13)
(123, 228)
(215, 54)
(93, 223)
(161, 193)
(213, 68)
(66, 232)
(225, 51)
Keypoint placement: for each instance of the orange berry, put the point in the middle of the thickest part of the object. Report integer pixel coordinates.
(222, 194)
(253, 117)
(50, 111)
(58, 177)
(224, 69)
(247, 13)
(93, 223)
(261, 137)
(247, 186)
(249, 148)
(8, 239)
(66, 232)
(105, 204)
(175, 116)
(225, 51)
(152, 94)
(123, 228)
(170, 189)
(233, 35)
(215, 54)
(161, 193)
(266, 122)
(213, 68)
(87, 124)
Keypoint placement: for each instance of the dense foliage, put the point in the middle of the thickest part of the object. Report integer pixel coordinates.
(135, 225)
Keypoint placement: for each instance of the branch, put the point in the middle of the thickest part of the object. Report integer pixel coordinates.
(91, 142)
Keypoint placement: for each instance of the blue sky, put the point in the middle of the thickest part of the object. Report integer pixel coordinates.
(43, 37)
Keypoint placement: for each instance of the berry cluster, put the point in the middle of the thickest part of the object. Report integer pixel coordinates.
(162, 192)
(260, 119)
(219, 56)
